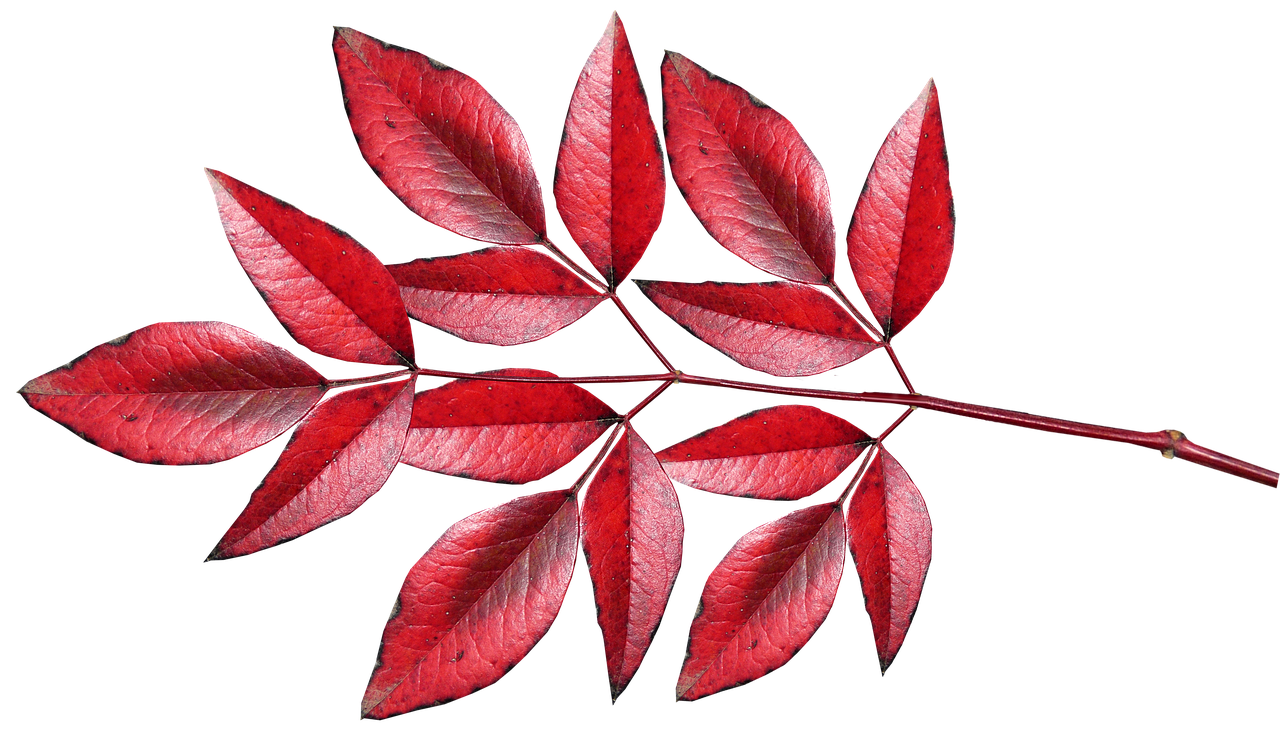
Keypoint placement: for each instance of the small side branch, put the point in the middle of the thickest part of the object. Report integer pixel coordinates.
(636, 325)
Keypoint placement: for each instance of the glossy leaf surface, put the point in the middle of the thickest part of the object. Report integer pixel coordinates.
(891, 539)
(179, 393)
(764, 601)
(439, 141)
(337, 458)
(330, 292)
(632, 536)
(903, 228)
(747, 174)
(495, 430)
(779, 328)
(610, 185)
(501, 295)
(784, 452)
(475, 604)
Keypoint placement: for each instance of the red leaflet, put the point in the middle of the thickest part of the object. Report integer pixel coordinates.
(494, 430)
(609, 184)
(330, 292)
(475, 604)
(746, 174)
(764, 600)
(632, 536)
(439, 141)
(903, 228)
(786, 452)
(501, 295)
(891, 540)
(779, 328)
(179, 393)
(339, 457)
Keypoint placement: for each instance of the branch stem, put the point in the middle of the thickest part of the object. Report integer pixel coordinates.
(648, 400)
(636, 325)
(844, 300)
(1171, 443)
(555, 250)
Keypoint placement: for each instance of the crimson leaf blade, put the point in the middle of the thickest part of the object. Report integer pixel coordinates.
(780, 328)
(501, 295)
(475, 604)
(747, 174)
(891, 539)
(179, 393)
(508, 432)
(331, 294)
(439, 141)
(632, 537)
(903, 228)
(609, 184)
(784, 452)
(337, 458)
(764, 601)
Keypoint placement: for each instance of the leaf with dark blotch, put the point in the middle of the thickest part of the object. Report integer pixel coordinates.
(632, 536)
(891, 539)
(780, 328)
(330, 292)
(439, 141)
(337, 458)
(495, 430)
(475, 604)
(764, 601)
(501, 295)
(785, 452)
(903, 228)
(747, 174)
(179, 393)
(610, 185)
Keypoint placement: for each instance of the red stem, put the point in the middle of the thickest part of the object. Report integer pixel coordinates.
(547, 244)
(599, 457)
(898, 365)
(889, 430)
(654, 377)
(370, 379)
(640, 406)
(875, 331)
(1171, 443)
(636, 325)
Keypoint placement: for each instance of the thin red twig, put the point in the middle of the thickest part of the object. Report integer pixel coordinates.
(636, 325)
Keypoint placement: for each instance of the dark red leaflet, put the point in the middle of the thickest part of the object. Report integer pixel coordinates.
(764, 601)
(439, 141)
(780, 328)
(501, 295)
(891, 539)
(632, 537)
(495, 430)
(475, 604)
(179, 393)
(747, 174)
(784, 452)
(330, 292)
(903, 229)
(337, 458)
(610, 185)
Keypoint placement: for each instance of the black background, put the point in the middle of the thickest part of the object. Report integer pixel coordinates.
(1112, 265)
